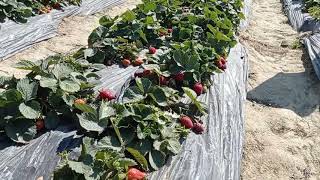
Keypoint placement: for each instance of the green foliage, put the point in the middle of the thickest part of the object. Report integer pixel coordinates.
(202, 33)
(20, 10)
(43, 94)
(313, 8)
(144, 125)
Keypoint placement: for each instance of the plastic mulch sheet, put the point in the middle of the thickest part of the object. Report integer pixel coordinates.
(215, 155)
(303, 22)
(17, 37)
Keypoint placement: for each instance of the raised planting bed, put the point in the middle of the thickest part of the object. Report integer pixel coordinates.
(304, 17)
(164, 77)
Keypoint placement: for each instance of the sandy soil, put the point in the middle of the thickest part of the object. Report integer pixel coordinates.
(282, 111)
(72, 35)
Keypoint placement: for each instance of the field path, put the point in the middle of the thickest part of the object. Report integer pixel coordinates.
(282, 111)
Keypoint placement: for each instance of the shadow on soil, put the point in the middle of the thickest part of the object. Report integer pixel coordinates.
(299, 92)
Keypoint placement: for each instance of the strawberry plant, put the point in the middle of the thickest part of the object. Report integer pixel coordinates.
(47, 94)
(201, 33)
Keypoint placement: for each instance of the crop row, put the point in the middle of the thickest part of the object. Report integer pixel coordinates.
(20, 10)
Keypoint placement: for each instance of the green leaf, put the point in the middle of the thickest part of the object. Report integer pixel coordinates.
(149, 6)
(117, 131)
(80, 167)
(69, 86)
(76, 167)
(143, 84)
(143, 36)
(129, 16)
(132, 95)
(25, 65)
(89, 122)
(27, 89)
(6, 80)
(193, 96)
(222, 37)
(85, 108)
(149, 20)
(47, 82)
(138, 157)
(188, 62)
(106, 21)
(30, 110)
(126, 162)
(156, 159)
(89, 53)
(68, 99)
(12, 95)
(159, 96)
(108, 142)
(21, 130)
(51, 121)
(62, 70)
(174, 146)
(106, 111)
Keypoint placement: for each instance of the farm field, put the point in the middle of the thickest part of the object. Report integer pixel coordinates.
(170, 97)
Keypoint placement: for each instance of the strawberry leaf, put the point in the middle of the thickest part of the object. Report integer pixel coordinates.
(69, 86)
(89, 122)
(187, 62)
(27, 89)
(156, 159)
(193, 97)
(138, 157)
(30, 110)
(21, 130)
(51, 121)
(174, 146)
(47, 82)
(132, 95)
(85, 108)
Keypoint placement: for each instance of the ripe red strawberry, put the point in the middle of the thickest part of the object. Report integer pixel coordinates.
(80, 101)
(138, 74)
(40, 124)
(223, 67)
(198, 128)
(152, 50)
(106, 94)
(135, 174)
(198, 88)
(223, 60)
(186, 122)
(179, 76)
(146, 72)
(222, 64)
(56, 6)
(138, 61)
(126, 62)
(163, 81)
(170, 30)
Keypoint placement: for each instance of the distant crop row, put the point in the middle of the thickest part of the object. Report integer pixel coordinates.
(20, 10)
